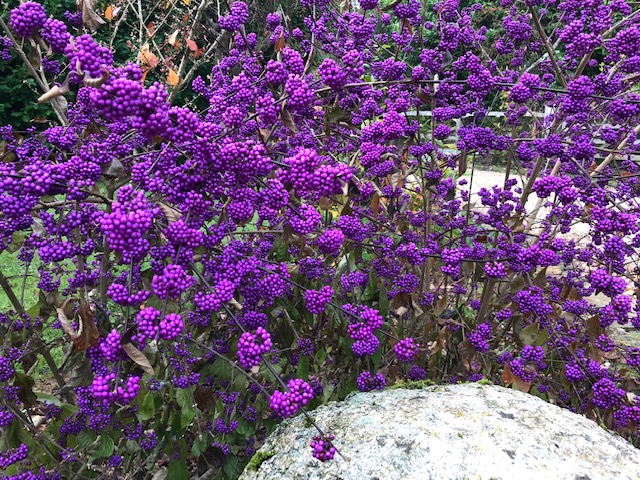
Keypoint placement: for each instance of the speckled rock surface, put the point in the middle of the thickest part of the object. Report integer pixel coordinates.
(467, 431)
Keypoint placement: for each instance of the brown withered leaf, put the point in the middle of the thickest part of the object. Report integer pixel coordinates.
(173, 38)
(138, 357)
(593, 353)
(507, 376)
(441, 304)
(147, 57)
(87, 334)
(173, 78)
(90, 18)
(204, 397)
(467, 354)
(265, 134)
(608, 420)
(522, 385)
(281, 43)
(406, 25)
(35, 57)
(424, 96)
(287, 120)
(462, 162)
(442, 340)
(114, 168)
(171, 213)
(324, 203)
(87, 331)
(55, 91)
(64, 321)
(593, 327)
(573, 294)
(375, 205)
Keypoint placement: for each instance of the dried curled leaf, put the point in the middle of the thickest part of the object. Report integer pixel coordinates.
(87, 334)
(375, 205)
(138, 357)
(56, 91)
(97, 82)
(90, 18)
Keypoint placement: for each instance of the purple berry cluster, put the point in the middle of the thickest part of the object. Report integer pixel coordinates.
(237, 16)
(27, 19)
(252, 346)
(173, 282)
(171, 326)
(367, 382)
(322, 447)
(288, 185)
(406, 350)
(362, 330)
(316, 300)
(55, 33)
(287, 404)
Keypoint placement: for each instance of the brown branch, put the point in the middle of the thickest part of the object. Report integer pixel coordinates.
(55, 102)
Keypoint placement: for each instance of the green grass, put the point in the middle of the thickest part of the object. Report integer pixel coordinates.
(14, 270)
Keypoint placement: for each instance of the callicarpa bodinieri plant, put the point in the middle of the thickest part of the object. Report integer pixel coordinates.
(304, 228)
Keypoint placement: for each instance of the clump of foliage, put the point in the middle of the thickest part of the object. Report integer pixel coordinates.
(307, 233)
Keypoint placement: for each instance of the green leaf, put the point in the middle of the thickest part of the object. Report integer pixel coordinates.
(16, 242)
(303, 368)
(86, 438)
(147, 410)
(178, 471)
(184, 397)
(47, 397)
(200, 446)
(68, 410)
(326, 394)
(132, 446)
(529, 334)
(187, 414)
(245, 428)
(384, 302)
(230, 467)
(34, 311)
(321, 356)
(105, 449)
(221, 369)
(542, 338)
(372, 288)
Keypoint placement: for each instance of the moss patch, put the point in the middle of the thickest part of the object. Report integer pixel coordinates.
(410, 385)
(258, 458)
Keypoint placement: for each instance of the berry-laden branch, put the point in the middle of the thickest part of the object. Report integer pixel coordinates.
(299, 223)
